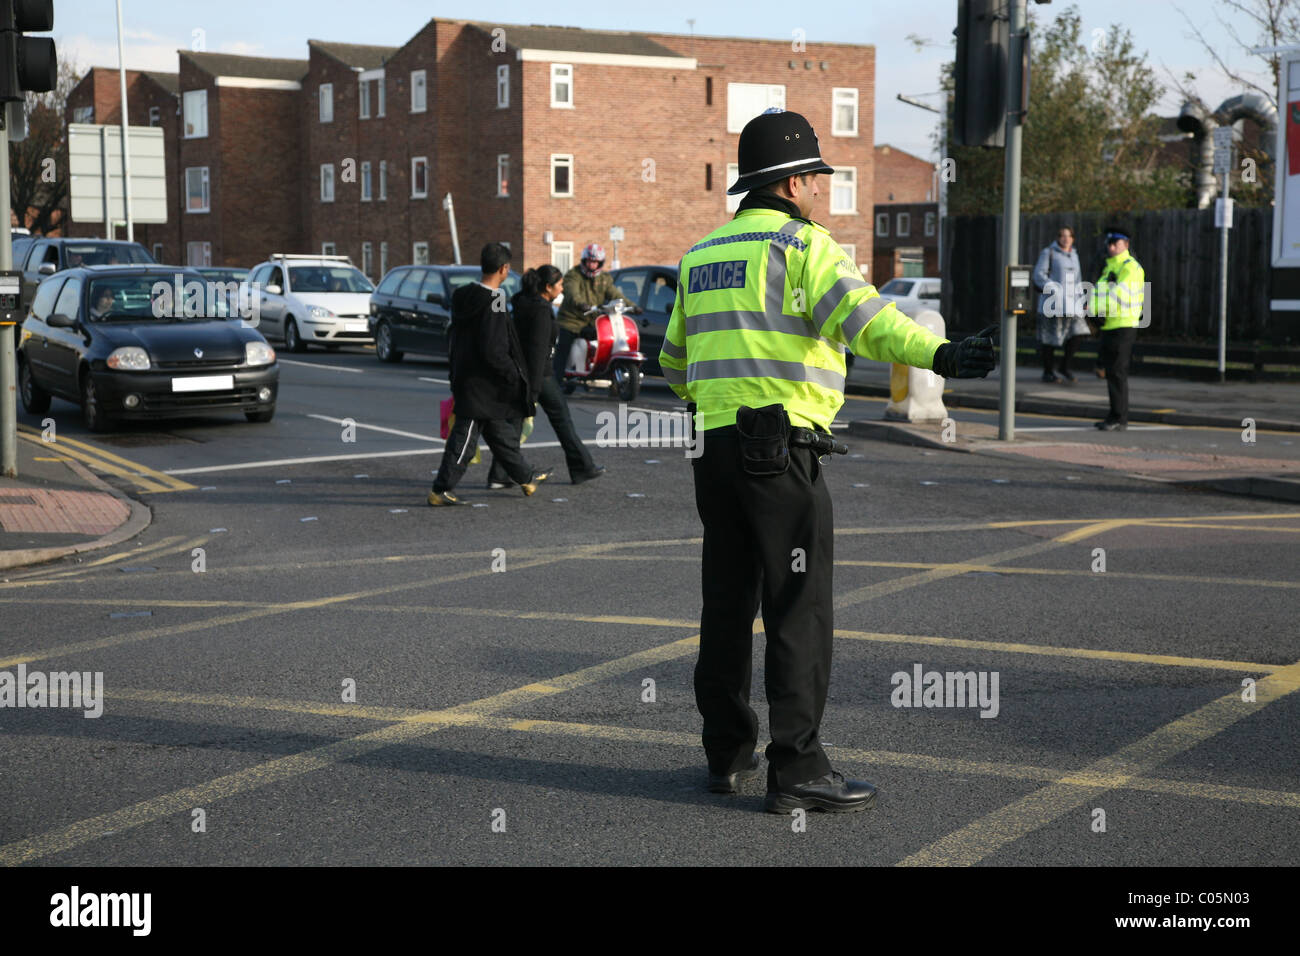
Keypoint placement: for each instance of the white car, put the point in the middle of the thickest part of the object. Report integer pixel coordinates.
(913, 294)
(303, 300)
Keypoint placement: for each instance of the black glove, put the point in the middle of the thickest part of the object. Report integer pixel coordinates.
(972, 357)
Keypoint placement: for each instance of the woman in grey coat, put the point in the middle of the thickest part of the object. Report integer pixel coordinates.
(1061, 304)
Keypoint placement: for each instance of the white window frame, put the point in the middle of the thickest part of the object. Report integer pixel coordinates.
(205, 253)
(195, 106)
(155, 116)
(367, 259)
(415, 161)
(850, 251)
(554, 166)
(556, 69)
(843, 96)
(158, 251)
(416, 257)
(363, 93)
(205, 182)
(367, 184)
(503, 86)
(733, 173)
(743, 98)
(383, 180)
(903, 225)
(853, 174)
(383, 260)
(326, 102)
(558, 252)
(882, 225)
(328, 249)
(83, 114)
(379, 95)
(419, 81)
(326, 176)
(503, 175)
(931, 223)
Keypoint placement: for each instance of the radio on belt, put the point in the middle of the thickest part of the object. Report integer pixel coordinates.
(1019, 292)
(11, 297)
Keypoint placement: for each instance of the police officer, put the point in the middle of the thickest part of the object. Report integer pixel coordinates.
(766, 306)
(1118, 299)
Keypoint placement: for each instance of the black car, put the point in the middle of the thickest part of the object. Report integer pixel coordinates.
(410, 310)
(654, 288)
(232, 276)
(136, 342)
(41, 257)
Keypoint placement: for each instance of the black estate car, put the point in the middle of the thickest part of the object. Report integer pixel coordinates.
(654, 288)
(410, 310)
(39, 257)
(136, 342)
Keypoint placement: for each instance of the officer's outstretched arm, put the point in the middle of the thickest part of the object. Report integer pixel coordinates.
(672, 356)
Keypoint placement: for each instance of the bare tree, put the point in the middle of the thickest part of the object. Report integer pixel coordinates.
(1273, 22)
(38, 166)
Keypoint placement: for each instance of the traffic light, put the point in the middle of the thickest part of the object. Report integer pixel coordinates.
(983, 45)
(26, 63)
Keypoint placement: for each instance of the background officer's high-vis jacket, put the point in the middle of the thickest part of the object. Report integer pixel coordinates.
(1120, 293)
(765, 306)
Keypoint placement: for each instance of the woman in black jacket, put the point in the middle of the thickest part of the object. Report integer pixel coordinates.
(535, 323)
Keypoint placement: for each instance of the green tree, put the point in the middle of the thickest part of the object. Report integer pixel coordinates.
(1091, 140)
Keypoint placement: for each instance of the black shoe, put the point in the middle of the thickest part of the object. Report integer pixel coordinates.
(1110, 426)
(1050, 378)
(727, 782)
(831, 793)
(1069, 379)
(595, 472)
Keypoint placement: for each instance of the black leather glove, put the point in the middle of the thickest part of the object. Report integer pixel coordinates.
(972, 357)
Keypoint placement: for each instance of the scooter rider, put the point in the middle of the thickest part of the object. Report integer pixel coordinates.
(585, 285)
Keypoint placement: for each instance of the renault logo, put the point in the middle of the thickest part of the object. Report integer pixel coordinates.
(198, 353)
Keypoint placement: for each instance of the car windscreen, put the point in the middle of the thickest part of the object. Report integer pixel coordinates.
(136, 298)
(897, 287)
(104, 254)
(328, 279)
(225, 275)
(458, 279)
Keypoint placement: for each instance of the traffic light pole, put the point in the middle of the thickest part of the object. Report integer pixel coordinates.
(8, 392)
(1011, 213)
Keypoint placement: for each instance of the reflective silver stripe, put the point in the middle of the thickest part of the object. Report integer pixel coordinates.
(674, 351)
(797, 162)
(764, 368)
(857, 320)
(672, 375)
(828, 303)
(729, 321)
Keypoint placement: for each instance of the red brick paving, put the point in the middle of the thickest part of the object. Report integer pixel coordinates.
(36, 510)
(1150, 461)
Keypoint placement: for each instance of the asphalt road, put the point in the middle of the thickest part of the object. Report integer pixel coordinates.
(503, 716)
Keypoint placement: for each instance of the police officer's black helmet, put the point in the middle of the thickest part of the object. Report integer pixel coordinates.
(773, 145)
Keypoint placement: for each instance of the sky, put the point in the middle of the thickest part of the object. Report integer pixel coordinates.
(86, 32)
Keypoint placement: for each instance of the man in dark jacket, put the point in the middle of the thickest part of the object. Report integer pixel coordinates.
(489, 381)
(584, 286)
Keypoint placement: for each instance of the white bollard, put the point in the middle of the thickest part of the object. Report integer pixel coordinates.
(916, 395)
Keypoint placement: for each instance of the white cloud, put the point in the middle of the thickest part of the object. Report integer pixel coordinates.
(153, 53)
(242, 48)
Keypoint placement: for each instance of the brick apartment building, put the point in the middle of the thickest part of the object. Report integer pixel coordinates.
(906, 216)
(545, 137)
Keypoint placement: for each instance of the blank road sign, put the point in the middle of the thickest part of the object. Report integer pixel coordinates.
(92, 153)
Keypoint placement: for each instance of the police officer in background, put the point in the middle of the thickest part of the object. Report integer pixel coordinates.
(1118, 300)
(766, 306)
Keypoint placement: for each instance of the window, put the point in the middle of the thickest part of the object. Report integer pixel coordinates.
(630, 283)
(503, 87)
(882, 224)
(86, 114)
(379, 97)
(367, 258)
(363, 90)
(197, 197)
(410, 287)
(708, 91)
(327, 182)
(157, 252)
(383, 180)
(155, 116)
(562, 85)
(69, 299)
(844, 112)
(327, 102)
(365, 182)
(391, 282)
(931, 221)
(46, 294)
(420, 253)
(326, 249)
(561, 174)
(747, 100)
(844, 192)
(419, 177)
(903, 224)
(383, 258)
(198, 253)
(195, 106)
(562, 255)
(503, 174)
(733, 173)
(708, 177)
(419, 99)
(850, 251)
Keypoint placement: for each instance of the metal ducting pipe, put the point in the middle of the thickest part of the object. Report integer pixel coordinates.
(1252, 106)
(1195, 119)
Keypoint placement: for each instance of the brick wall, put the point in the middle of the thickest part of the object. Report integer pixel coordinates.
(902, 177)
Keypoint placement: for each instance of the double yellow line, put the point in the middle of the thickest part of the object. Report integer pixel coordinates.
(143, 477)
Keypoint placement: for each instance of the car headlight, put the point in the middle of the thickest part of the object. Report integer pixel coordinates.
(319, 312)
(258, 353)
(130, 358)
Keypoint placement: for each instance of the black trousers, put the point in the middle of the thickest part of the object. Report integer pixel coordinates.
(768, 542)
(560, 360)
(576, 456)
(1115, 354)
(502, 437)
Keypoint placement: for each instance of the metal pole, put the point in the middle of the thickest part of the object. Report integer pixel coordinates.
(1011, 216)
(126, 147)
(1223, 283)
(451, 218)
(103, 169)
(8, 392)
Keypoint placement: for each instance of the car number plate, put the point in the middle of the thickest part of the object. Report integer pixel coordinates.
(356, 326)
(203, 383)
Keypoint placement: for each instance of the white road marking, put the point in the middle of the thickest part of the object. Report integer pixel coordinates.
(375, 428)
(308, 461)
(440, 381)
(332, 368)
(1077, 428)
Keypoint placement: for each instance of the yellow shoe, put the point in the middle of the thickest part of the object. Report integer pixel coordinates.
(530, 487)
(441, 498)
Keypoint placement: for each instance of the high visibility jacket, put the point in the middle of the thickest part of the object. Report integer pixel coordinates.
(1120, 293)
(765, 308)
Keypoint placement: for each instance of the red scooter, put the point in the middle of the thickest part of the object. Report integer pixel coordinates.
(612, 359)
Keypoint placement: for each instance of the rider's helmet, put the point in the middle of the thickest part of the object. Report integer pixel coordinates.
(592, 251)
